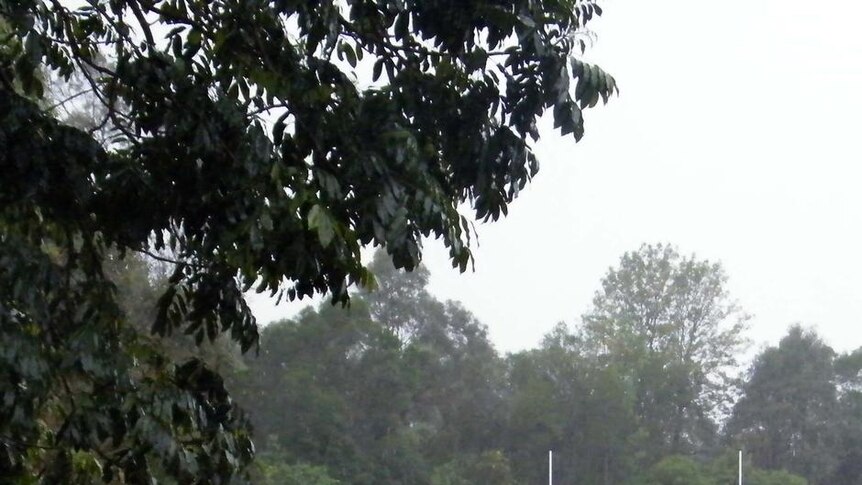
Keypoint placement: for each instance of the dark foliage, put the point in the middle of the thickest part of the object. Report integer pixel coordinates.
(236, 142)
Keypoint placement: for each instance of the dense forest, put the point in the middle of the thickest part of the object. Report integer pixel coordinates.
(647, 389)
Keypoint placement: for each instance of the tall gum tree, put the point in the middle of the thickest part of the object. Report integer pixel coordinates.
(668, 322)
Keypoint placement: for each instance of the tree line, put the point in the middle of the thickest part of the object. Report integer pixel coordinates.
(645, 390)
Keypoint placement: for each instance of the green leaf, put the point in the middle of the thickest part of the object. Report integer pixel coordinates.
(377, 70)
(349, 54)
(320, 221)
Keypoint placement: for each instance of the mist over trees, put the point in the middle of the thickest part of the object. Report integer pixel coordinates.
(645, 390)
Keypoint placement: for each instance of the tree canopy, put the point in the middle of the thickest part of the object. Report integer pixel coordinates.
(371, 402)
(251, 144)
(788, 412)
(401, 388)
(668, 323)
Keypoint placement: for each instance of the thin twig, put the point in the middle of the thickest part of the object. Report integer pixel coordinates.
(70, 98)
(166, 260)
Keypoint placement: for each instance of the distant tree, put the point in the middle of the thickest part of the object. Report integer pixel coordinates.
(331, 388)
(773, 477)
(786, 416)
(560, 400)
(488, 467)
(668, 324)
(848, 421)
(723, 470)
(460, 371)
(140, 281)
(276, 472)
(239, 142)
(400, 300)
(677, 470)
(538, 412)
(386, 391)
(848, 452)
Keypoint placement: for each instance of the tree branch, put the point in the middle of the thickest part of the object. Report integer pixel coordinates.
(67, 99)
(142, 21)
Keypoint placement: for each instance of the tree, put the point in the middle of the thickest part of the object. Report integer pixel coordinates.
(168, 409)
(489, 467)
(561, 400)
(682, 470)
(723, 470)
(280, 473)
(848, 371)
(773, 477)
(677, 470)
(669, 324)
(459, 368)
(785, 417)
(354, 392)
(241, 150)
(332, 389)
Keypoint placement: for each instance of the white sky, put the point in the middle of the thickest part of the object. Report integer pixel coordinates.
(734, 137)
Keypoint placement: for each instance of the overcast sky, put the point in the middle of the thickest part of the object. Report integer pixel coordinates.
(734, 138)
